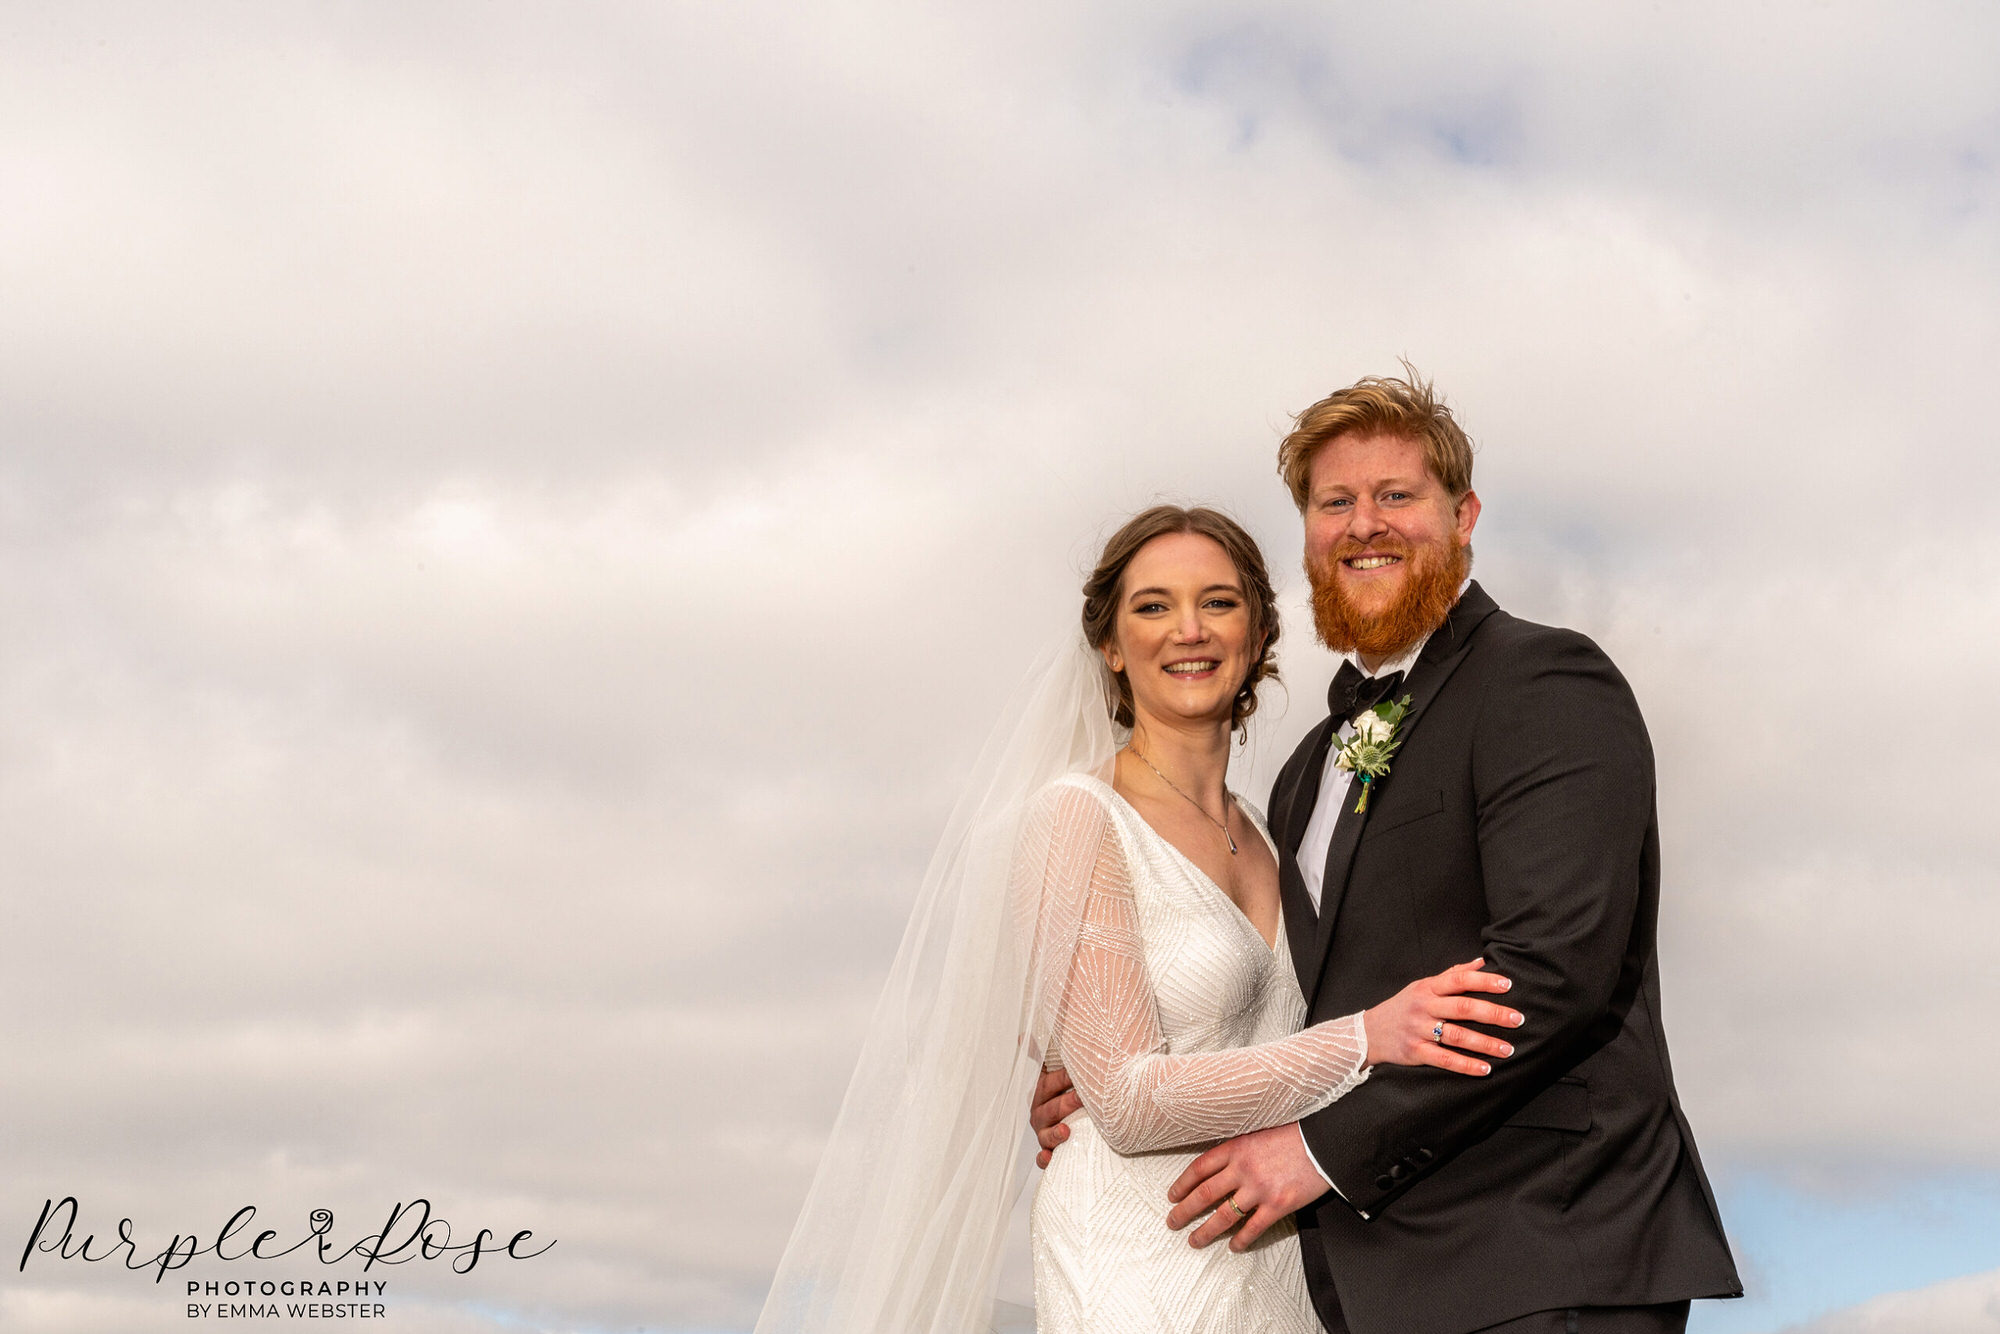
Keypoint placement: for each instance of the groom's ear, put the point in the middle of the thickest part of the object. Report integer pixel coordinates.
(1467, 515)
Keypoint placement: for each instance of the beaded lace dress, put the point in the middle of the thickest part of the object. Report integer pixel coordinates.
(1053, 925)
(1180, 1027)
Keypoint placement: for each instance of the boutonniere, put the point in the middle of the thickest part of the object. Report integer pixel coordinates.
(1366, 754)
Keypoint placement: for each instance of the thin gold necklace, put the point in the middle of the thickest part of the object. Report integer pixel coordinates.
(1227, 837)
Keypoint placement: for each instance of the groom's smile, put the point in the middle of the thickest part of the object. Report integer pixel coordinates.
(1373, 566)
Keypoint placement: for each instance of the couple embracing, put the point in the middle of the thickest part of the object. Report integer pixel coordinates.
(1390, 1062)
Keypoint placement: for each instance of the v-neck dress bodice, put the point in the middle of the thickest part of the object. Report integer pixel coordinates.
(1180, 1027)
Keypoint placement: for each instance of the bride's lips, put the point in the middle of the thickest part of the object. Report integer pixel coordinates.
(1192, 669)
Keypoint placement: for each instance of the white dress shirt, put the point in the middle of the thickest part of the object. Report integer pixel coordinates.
(1334, 783)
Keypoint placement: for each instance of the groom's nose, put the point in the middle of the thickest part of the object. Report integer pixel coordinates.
(1368, 520)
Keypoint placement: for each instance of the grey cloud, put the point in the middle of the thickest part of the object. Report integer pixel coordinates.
(508, 535)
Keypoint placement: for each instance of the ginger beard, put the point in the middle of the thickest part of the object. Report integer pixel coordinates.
(1432, 577)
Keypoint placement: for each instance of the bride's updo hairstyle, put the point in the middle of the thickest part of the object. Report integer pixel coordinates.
(1101, 592)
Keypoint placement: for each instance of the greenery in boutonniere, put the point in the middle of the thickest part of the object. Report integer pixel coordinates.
(1366, 754)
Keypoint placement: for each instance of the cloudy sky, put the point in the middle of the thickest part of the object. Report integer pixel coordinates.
(512, 519)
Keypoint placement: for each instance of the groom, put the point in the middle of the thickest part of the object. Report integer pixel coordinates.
(1562, 1192)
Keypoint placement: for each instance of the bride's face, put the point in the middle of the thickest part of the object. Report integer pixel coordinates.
(1182, 635)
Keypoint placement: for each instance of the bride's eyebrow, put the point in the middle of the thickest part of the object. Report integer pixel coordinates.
(1167, 592)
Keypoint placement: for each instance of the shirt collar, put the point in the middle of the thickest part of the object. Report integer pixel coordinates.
(1402, 662)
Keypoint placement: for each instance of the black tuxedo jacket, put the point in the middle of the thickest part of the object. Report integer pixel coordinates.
(1516, 822)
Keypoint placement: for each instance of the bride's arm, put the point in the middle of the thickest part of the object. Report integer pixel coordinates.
(1107, 1024)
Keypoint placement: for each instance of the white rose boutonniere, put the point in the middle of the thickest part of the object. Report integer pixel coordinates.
(1366, 754)
(1372, 726)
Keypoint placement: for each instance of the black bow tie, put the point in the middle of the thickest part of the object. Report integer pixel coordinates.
(1352, 691)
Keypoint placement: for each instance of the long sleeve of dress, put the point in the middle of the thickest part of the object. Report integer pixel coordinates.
(1107, 1029)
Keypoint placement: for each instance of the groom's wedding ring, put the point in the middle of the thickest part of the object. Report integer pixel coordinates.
(1437, 1034)
(1230, 1200)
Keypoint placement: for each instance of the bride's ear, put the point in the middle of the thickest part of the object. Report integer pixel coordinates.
(1112, 657)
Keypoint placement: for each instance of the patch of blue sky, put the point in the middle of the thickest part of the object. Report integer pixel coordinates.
(1256, 71)
(1241, 57)
(1485, 135)
(1806, 1247)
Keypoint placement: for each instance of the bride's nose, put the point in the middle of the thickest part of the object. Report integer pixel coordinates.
(1190, 629)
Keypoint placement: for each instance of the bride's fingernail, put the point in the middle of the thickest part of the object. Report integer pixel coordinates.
(1506, 984)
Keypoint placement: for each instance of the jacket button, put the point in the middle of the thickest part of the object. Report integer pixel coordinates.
(1425, 1155)
(1383, 1183)
(1398, 1172)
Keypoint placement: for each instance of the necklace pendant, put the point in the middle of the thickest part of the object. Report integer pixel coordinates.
(1221, 824)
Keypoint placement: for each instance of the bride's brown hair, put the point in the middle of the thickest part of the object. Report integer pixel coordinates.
(1100, 592)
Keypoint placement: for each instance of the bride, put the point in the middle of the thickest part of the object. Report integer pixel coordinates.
(1110, 909)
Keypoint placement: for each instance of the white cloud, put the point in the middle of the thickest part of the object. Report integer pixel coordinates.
(1968, 1305)
(508, 531)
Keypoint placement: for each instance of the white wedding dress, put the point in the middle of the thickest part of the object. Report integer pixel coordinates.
(1054, 925)
(1180, 1027)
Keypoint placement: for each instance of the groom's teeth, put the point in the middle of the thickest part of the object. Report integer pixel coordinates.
(1372, 562)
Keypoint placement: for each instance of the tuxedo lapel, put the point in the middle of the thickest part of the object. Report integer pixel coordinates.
(1293, 813)
(1441, 656)
(1340, 851)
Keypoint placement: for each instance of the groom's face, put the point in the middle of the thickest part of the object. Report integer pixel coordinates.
(1386, 545)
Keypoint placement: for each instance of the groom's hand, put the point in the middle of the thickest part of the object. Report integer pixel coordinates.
(1054, 1100)
(1266, 1175)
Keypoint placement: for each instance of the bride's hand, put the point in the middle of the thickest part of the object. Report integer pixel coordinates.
(1404, 1030)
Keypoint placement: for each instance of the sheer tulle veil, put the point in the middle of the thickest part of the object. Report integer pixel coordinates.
(902, 1230)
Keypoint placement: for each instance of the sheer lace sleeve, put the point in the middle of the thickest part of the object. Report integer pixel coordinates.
(1106, 1026)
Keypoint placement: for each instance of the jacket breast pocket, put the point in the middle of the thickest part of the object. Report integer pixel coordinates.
(1420, 806)
(1563, 1105)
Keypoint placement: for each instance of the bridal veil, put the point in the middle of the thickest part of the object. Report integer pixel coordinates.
(902, 1230)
